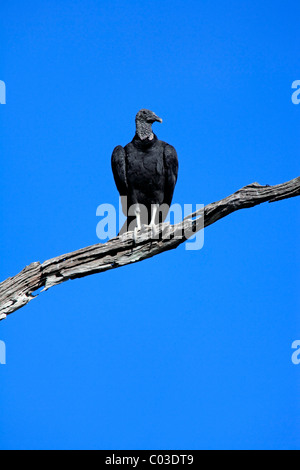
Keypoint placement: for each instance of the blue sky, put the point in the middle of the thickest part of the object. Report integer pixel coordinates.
(190, 349)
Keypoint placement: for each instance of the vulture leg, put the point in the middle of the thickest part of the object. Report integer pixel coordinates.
(154, 208)
(138, 227)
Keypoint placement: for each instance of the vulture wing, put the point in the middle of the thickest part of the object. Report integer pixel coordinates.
(171, 172)
(118, 165)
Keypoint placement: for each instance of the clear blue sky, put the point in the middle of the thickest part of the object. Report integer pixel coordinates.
(190, 349)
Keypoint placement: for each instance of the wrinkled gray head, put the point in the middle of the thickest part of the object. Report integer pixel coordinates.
(144, 120)
(147, 116)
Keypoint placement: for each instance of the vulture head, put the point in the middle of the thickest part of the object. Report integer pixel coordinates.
(144, 120)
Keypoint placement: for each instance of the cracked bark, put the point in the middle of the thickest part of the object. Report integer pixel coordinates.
(17, 291)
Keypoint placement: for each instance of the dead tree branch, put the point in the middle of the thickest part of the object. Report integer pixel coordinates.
(17, 291)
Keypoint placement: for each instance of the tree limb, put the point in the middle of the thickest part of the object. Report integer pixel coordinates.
(17, 291)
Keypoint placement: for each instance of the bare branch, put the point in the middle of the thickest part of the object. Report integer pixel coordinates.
(17, 291)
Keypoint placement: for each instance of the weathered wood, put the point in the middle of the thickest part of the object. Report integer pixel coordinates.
(17, 291)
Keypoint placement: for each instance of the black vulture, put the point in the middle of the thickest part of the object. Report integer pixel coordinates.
(145, 172)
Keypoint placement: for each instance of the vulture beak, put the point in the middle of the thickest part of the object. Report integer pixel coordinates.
(155, 118)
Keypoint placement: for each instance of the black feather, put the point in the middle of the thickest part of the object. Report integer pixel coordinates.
(146, 172)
